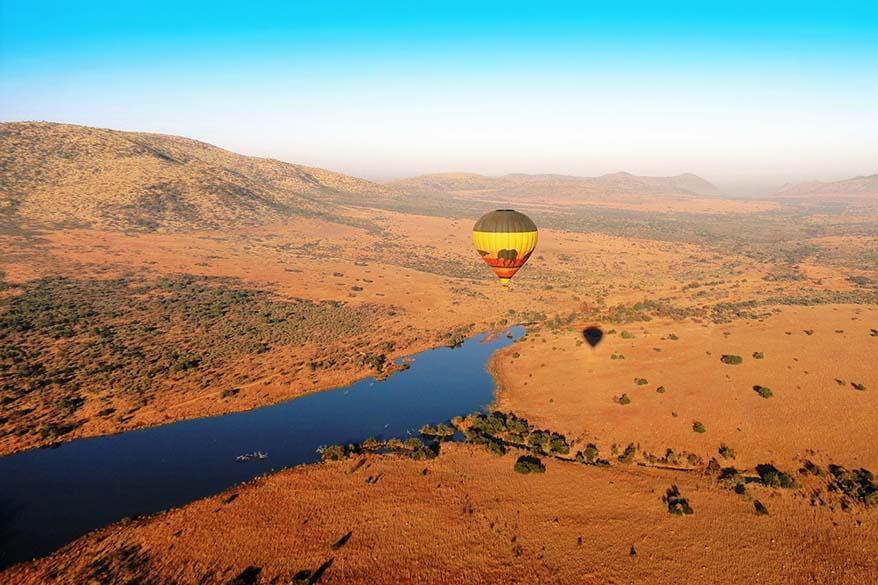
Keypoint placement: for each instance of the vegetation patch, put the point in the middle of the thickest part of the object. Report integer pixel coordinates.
(763, 391)
(732, 360)
(529, 464)
(773, 477)
(857, 484)
(676, 503)
(64, 342)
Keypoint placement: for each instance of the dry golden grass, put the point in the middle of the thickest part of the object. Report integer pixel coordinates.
(96, 205)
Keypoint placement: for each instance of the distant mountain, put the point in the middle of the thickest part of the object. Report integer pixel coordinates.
(60, 173)
(858, 187)
(556, 188)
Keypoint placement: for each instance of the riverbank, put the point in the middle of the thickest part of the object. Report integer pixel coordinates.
(373, 521)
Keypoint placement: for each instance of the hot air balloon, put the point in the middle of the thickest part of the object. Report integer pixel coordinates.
(505, 240)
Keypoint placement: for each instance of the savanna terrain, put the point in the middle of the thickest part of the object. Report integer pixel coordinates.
(722, 429)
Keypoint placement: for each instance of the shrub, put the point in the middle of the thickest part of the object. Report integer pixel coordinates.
(558, 444)
(441, 430)
(726, 452)
(760, 508)
(517, 425)
(858, 484)
(538, 440)
(641, 381)
(676, 503)
(773, 477)
(758, 355)
(372, 444)
(627, 455)
(490, 424)
(698, 427)
(332, 452)
(528, 464)
(626, 335)
(673, 337)
(660, 389)
(732, 360)
(623, 400)
(858, 386)
(430, 451)
(763, 391)
(591, 453)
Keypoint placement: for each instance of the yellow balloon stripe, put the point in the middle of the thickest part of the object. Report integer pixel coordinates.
(492, 242)
(506, 251)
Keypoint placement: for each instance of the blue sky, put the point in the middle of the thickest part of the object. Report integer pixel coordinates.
(748, 94)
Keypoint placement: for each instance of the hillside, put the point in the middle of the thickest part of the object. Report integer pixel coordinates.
(857, 187)
(64, 174)
(557, 188)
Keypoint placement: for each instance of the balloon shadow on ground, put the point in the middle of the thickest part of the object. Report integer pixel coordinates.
(592, 335)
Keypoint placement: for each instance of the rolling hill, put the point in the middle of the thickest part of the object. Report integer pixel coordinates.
(557, 188)
(53, 174)
(856, 187)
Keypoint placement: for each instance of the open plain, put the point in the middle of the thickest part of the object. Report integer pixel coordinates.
(736, 364)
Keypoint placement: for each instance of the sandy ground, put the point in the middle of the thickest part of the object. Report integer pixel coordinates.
(570, 388)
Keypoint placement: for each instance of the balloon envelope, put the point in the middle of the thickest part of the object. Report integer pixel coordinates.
(505, 239)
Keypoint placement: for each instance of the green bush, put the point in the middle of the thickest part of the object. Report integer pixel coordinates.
(538, 440)
(623, 400)
(763, 391)
(422, 452)
(760, 508)
(773, 477)
(441, 430)
(676, 503)
(641, 381)
(858, 484)
(660, 389)
(528, 464)
(732, 360)
(726, 452)
(627, 455)
(698, 427)
(332, 452)
(558, 444)
(758, 355)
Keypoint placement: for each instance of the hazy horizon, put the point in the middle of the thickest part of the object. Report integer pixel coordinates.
(395, 91)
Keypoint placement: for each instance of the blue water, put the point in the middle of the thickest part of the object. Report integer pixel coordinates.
(49, 497)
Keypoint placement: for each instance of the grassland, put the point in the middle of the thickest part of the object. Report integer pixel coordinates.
(117, 317)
